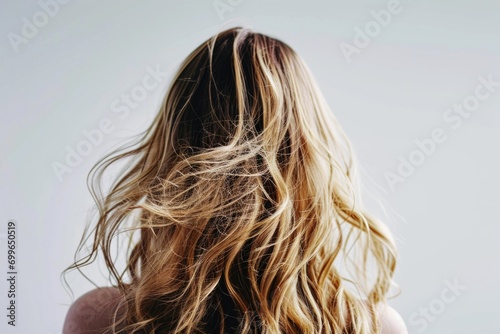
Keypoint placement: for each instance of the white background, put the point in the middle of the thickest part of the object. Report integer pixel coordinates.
(65, 78)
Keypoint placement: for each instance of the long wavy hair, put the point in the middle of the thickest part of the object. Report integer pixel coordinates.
(244, 194)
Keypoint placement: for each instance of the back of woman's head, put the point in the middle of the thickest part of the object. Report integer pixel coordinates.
(245, 190)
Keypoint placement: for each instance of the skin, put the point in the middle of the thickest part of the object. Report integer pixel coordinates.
(391, 321)
(93, 312)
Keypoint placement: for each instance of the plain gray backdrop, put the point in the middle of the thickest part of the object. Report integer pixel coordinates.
(415, 84)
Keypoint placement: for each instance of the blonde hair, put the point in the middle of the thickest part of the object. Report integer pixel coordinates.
(244, 193)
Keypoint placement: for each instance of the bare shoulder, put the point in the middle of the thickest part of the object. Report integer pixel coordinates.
(93, 312)
(391, 321)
